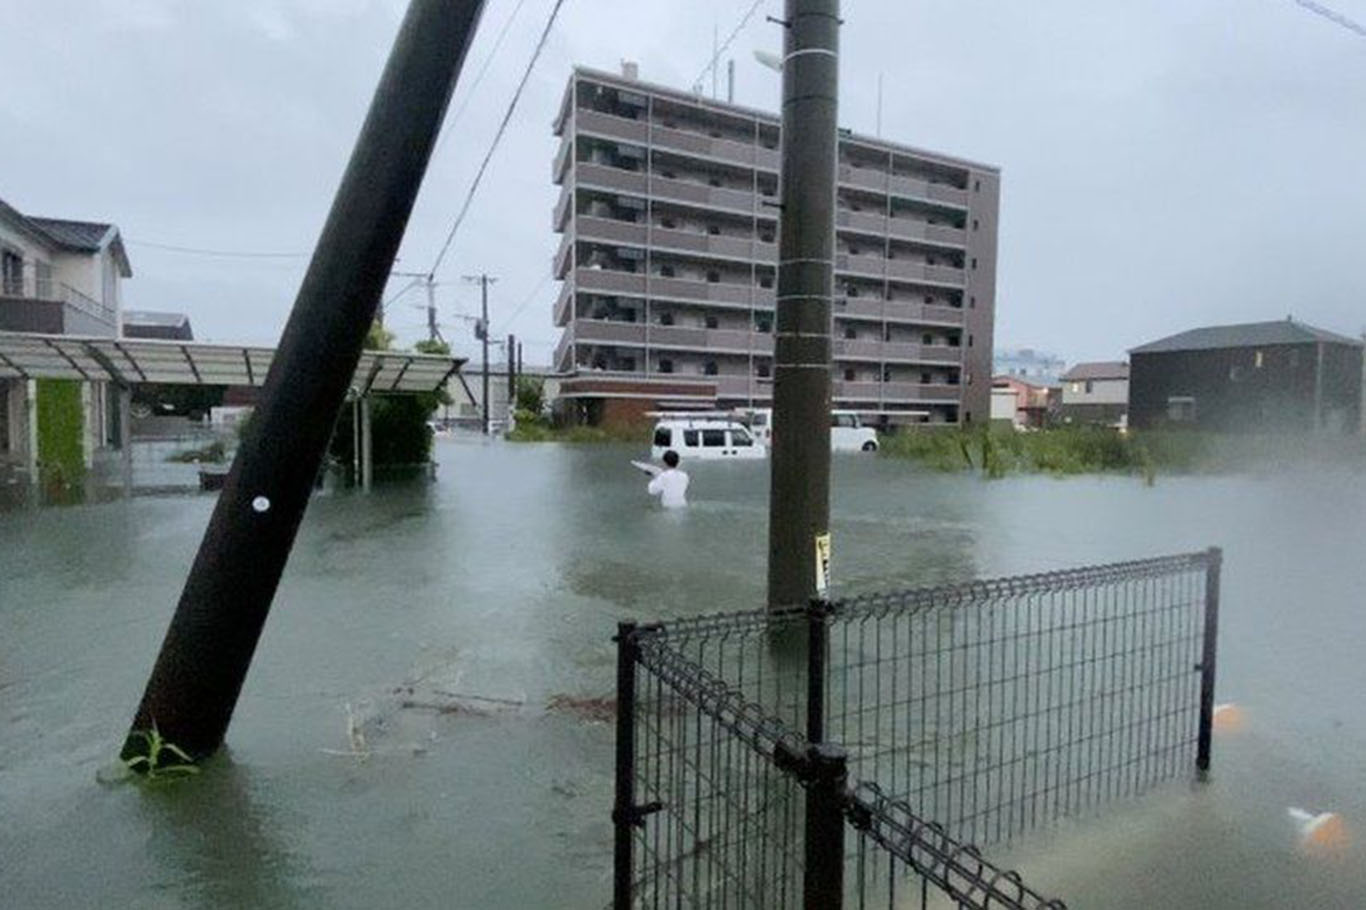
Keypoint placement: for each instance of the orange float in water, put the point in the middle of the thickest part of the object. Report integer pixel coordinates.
(1228, 718)
(1321, 833)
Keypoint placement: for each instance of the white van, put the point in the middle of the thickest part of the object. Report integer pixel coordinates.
(705, 439)
(847, 432)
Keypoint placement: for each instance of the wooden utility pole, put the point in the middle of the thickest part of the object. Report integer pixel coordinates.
(799, 497)
(208, 648)
(482, 333)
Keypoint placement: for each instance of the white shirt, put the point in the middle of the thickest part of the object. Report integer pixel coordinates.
(671, 486)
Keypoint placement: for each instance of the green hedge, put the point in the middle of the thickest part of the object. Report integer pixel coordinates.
(61, 424)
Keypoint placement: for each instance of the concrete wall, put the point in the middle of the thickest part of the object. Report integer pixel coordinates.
(979, 296)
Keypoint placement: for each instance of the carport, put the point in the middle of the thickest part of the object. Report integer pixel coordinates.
(128, 362)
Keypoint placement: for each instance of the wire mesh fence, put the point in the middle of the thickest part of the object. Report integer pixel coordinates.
(960, 715)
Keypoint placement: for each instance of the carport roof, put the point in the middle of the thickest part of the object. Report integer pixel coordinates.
(133, 361)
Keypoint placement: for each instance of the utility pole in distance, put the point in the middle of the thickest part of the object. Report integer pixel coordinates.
(512, 373)
(799, 498)
(207, 651)
(482, 332)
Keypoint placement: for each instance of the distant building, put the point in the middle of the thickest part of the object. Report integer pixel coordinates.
(1096, 393)
(57, 277)
(1037, 367)
(1258, 376)
(669, 260)
(1024, 404)
(148, 324)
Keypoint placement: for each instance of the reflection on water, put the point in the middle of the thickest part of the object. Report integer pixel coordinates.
(505, 579)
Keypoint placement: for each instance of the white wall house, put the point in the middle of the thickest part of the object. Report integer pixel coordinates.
(1096, 393)
(57, 277)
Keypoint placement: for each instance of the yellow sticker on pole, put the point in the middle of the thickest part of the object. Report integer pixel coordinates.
(823, 563)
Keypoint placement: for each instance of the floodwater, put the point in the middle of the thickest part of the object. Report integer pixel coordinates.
(430, 626)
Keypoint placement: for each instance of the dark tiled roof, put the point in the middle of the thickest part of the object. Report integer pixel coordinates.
(83, 236)
(1244, 335)
(1103, 369)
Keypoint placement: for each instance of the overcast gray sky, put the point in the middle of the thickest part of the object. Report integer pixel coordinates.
(1166, 163)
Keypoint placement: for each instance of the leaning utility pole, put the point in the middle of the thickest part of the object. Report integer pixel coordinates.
(799, 497)
(483, 333)
(208, 648)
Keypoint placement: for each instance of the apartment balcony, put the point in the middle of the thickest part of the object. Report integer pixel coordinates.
(564, 304)
(870, 349)
(559, 219)
(866, 266)
(731, 151)
(740, 386)
(614, 179)
(923, 273)
(914, 188)
(559, 266)
(560, 166)
(917, 391)
(863, 178)
(866, 222)
(870, 307)
(747, 249)
(561, 362)
(864, 391)
(609, 281)
(928, 314)
(608, 332)
(705, 291)
(611, 126)
(609, 230)
(678, 336)
(699, 194)
(31, 302)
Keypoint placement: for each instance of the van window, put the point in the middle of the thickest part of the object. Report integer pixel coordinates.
(713, 437)
(664, 437)
(760, 420)
(843, 420)
(690, 438)
(740, 438)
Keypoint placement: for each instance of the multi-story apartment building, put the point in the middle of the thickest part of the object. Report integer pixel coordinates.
(668, 261)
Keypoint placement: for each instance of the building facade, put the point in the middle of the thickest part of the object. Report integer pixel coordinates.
(1096, 392)
(669, 252)
(1281, 376)
(57, 277)
(1025, 404)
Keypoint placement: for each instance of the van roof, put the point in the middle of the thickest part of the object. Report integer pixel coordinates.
(701, 423)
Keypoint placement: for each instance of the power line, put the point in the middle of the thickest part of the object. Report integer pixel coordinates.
(523, 305)
(502, 128)
(479, 77)
(725, 45)
(1333, 15)
(199, 251)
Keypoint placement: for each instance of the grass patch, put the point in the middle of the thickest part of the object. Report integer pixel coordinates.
(530, 428)
(1100, 450)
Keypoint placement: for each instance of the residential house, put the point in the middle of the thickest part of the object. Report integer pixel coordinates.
(1024, 404)
(1259, 376)
(1096, 392)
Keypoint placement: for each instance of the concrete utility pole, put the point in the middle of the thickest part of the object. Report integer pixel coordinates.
(208, 648)
(799, 498)
(512, 373)
(433, 334)
(483, 333)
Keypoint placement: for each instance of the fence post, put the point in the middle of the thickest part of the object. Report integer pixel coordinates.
(828, 774)
(1215, 559)
(817, 650)
(623, 810)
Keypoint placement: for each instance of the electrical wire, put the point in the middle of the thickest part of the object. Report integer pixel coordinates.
(725, 45)
(523, 305)
(478, 77)
(199, 251)
(1333, 16)
(497, 137)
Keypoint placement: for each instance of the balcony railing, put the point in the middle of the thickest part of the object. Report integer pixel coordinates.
(609, 332)
(564, 304)
(611, 126)
(561, 162)
(31, 285)
(610, 178)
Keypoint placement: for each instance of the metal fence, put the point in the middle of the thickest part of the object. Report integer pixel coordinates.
(922, 721)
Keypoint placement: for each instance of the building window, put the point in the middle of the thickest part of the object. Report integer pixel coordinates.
(1076, 387)
(1257, 360)
(849, 332)
(762, 370)
(765, 281)
(886, 333)
(666, 365)
(713, 276)
(627, 365)
(974, 263)
(710, 321)
(666, 271)
(972, 302)
(763, 322)
(954, 340)
(1090, 386)
(666, 318)
(1181, 409)
(927, 339)
(848, 375)
(851, 291)
(974, 224)
(713, 230)
(969, 341)
(926, 378)
(977, 186)
(710, 368)
(669, 223)
(766, 236)
(886, 374)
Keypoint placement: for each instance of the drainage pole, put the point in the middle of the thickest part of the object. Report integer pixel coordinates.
(799, 501)
(1214, 562)
(208, 648)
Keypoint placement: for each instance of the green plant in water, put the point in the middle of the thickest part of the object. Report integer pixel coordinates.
(162, 758)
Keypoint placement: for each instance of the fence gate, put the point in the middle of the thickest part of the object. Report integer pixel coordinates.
(858, 751)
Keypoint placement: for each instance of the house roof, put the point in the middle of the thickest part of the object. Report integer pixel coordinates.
(72, 236)
(1243, 335)
(1100, 369)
